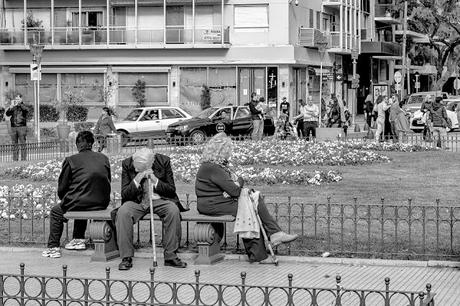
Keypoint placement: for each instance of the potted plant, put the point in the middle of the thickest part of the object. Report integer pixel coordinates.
(34, 28)
(138, 92)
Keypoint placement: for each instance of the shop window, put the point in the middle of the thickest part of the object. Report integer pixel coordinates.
(87, 85)
(48, 86)
(156, 88)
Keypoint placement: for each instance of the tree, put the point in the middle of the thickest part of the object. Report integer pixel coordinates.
(138, 92)
(440, 21)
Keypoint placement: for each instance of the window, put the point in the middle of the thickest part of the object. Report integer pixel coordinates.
(92, 19)
(156, 87)
(87, 85)
(318, 20)
(254, 16)
(311, 22)
(150, 115)
(242, 112)
(48, 87)
(171, 113)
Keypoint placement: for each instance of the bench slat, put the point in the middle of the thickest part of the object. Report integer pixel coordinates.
(104, 215)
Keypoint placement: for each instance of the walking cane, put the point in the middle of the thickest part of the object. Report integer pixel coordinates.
(267, 242)
(151, 223)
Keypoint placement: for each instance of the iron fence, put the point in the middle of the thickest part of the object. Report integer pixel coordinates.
(23, 289)
(384, 230)
(61, 148)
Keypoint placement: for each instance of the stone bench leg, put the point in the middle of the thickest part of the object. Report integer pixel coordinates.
(105, 247)
(208, 237)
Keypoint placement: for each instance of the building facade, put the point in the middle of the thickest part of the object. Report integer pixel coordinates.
(180, 49)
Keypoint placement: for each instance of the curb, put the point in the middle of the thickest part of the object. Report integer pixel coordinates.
(286, 259)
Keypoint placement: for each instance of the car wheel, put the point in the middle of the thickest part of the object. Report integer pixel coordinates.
(197, 137)
(124, 138)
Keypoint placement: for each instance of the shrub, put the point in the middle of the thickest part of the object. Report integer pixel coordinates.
(138, 92)
(83, 126)
(48, 132)
(48, 113)
(30, 113)
(77, 113)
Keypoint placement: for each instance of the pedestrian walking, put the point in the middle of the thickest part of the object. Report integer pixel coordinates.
(439, 118)
(285, 107)
(368, 108)
(380, 107)
(104, 126)
(257, 116)
(309, 113)
(298, 120)
(18, 112)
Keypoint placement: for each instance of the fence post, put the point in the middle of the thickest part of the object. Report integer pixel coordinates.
(64, 285)
(290, 299)
(382, 224)
(429, 301)
(22, 286)
(437, 227)
(243, 288)
(197, 287)
(338, 298)
(2, 290)
(355, 221)
(107, 286)
(328, 223)
(387, 291)
(409, 222)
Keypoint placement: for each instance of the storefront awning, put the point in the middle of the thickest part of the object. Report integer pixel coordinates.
(159, 2)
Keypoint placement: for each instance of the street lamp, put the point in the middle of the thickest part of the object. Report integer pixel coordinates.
(322, 48)
(35, 75)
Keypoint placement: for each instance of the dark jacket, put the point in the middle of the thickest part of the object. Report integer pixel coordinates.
(438, 115)
(255, 114)
(18, 115)
(211, 182)
(84, 182)
(165, 188)
(104, 126)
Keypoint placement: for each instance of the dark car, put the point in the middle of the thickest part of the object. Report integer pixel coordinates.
(233, 120)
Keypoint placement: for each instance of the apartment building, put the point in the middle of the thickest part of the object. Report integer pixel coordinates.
(99, 49)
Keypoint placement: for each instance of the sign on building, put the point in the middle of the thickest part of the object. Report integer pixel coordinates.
(212, 34)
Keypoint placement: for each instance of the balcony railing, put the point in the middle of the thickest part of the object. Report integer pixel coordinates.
(116, 35)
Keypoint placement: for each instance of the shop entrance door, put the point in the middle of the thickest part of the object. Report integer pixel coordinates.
(251, 80)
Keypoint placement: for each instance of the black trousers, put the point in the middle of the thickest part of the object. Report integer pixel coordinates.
(57, 221)
(300, 128)
(309, 126)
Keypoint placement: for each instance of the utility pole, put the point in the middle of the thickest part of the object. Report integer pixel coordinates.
(404, 60)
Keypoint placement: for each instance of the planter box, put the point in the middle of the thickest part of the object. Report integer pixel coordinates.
(328, 133)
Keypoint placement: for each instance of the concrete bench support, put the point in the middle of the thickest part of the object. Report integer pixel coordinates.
(208, 237)
(105, 247)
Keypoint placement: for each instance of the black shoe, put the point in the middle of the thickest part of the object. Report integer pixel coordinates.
(176, 263)
(126, 264)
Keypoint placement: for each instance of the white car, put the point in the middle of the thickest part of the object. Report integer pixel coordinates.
(417, 125)
(149, 121)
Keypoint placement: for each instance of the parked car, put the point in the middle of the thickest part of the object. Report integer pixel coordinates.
(451, 105)
(414, 102)
(149, 121)
(233, 120)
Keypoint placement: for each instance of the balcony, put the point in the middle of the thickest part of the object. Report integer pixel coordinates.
(381, 48)
(340, 42)
(308, 37)
(117, 37)
(333, 4)
(385, 13)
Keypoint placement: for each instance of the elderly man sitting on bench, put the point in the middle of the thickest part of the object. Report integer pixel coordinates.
(83, 185)
(136, 170)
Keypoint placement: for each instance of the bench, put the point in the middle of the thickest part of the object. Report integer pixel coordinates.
(208, 233)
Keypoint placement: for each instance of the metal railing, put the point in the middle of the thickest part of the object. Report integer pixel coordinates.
(25, 289)
(116, 35)
(385, 230)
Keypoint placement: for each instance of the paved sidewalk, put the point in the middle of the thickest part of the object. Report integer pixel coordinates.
(307, 271)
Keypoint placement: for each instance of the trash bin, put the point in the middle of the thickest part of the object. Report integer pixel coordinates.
(113, 143)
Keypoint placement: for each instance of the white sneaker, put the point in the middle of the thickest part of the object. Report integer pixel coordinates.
(76, 244)
(52, 253)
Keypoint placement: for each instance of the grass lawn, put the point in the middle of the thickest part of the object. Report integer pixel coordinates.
(421, 176)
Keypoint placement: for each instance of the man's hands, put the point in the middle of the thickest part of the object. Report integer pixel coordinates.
(146, 174)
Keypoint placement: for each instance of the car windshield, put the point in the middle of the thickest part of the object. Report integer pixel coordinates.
(134, 115)
(207, 112)
(416, 99)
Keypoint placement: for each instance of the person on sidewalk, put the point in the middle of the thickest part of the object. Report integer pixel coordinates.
(18, 112)
(380, 107)
(438, 116)
(104, 126)
(285, 107)
(368, 114)
(83, 185)
(217, 190)
(298, 120)
(257, 117)
(136, 170)
(309, 113)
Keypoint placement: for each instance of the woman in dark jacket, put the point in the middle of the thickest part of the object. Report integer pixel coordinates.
(103, 127)
(218, 189)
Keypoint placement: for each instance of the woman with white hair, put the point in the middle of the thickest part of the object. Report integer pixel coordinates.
(217, 189)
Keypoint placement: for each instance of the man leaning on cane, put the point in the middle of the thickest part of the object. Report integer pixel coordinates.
(136, 172)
